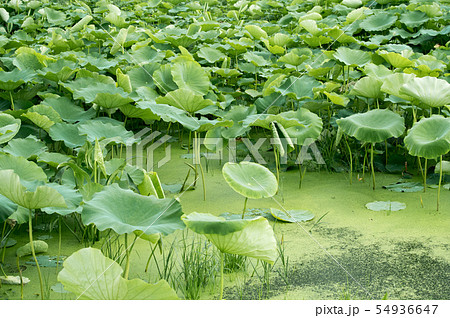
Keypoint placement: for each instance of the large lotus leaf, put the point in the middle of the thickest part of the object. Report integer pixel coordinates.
(16, 192)
(90, 275)
(373, 126)
(429, 138)
(9, 127)
(378, 22)
(413, 19)
(310, 129)
(237, 114)
(210, 54)
(170, 114)
(145, 55)
(248, 237)
(265, 120)
(393, 83)
(7, 208)
(104, 95)
(377, 71)
(95, 129)
(256, 31)
(68, 133)
(395, 59)
(428, 91)
(292, 59)
(352, 57)
(256, 59)
(68, 110)
(185, 99)
(140, 290)
(337, 99)
(191, 75)
(430, 62)
(299, 87)
(369, 87)
(125, 212)
(207, 124)
(250, 179)
(96, 63)
(432, 10)
(11, 80)
(28, 59)
(61, 70)
(445, 167)
(53, 159)
(29, 147)
(142, 75)
(72, 197)
(55, 17)
(43, 116)
(27, 170)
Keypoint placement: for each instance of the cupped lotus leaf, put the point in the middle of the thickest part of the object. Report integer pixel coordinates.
(68, 133)
(7, 208)
(369, 87)
(163, 78)
(265, 120)
(146, 55)
(95, 129)
(413, 19)
(21, 215)
(352, 57)
(386, 206)
(432, 10)
(373, 126)
(206, 124)
(104, 95)
(445, 167)
(29, 147)
(42, 116)
(428, 91)
(352, 3)
(125, 212)
(91, 276)
(292, 216)
(27, 170)
(11, 80)
(71, 196)
(256, 31)
(43, 196)
(210, 54)
(310, 26)
(185, 99)
(337, 99)
(227, 72)
(393, 83)
(431, 63)
(292, 59)
(395, 59)
(81, 24)
(378, 71)
(357, 14)
(340, 36)
(378, 22)
(119, 41)
(54, 17)
(39, 247)
(192, 76)
(309, 130)
(68, 110)
(142, 75)
(250, 179)
(299, 88)
(237, 114)
(9, 127)
(429, 138)
(248, 237)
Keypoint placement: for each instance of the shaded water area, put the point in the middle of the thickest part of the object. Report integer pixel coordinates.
(351, 253)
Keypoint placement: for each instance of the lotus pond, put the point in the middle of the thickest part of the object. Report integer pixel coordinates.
(224, 149)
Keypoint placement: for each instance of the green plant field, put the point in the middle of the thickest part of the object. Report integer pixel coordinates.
(224, 149)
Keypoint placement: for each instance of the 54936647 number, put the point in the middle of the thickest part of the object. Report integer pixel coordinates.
(406, 309)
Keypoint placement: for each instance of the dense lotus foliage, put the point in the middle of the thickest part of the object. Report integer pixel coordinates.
(79, 78)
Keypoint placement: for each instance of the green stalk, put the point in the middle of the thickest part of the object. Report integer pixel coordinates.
(425, 175)
(12, 101)
(351, 160)
(59, 242)
(371, 165)
(127, 266)
(221, 275)
(4, 247)
(30, 232)
(245, 207)
(440, 182)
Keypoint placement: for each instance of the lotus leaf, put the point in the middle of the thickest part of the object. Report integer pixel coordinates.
(373, 126)
(7, 208)
(39, 247)
(26, 170)
(429, 138)
(292, 216)
(378, 22)
(190, 75)
(95, 129)
(42, 197)
(386, 206)
(253, 238)
(185, 99)
(68, 133)
(369, 87)
(405, 187)
(68, 110)
(250, 179)
(9, 127)
(28, 148)
(352, 57)
(428, 91)
(125, 212)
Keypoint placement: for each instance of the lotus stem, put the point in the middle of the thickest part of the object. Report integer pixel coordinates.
(198, 162)
(4, 247)
(1, 269)
(245, 207)
(351, 160)
(30, 232)
(440, 182)
(127, 251)
(221, 275)
(12, 101)
(424, 174)
(59, 242)
(371, 165)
